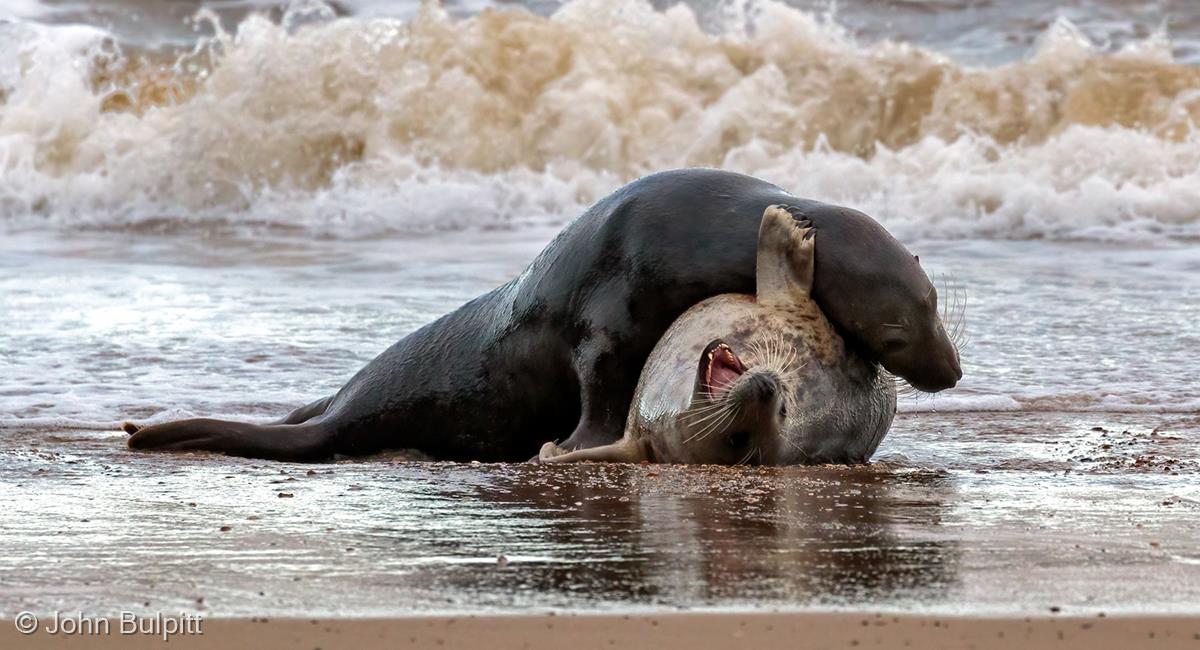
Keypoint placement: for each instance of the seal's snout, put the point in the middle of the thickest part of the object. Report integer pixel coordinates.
(924, 356)
(950, 370)
(754, 435)
(933, 374)
(762, 387)
(759, 395)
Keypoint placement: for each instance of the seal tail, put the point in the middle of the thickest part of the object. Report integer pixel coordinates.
(298, 442)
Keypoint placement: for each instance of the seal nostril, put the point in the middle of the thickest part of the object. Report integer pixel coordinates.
(955, 366)
(739, 439)
(765, 387)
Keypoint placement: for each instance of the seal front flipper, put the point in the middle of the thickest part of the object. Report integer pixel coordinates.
(786, 258)
(300, 442)
(625, 450)
(604, 393)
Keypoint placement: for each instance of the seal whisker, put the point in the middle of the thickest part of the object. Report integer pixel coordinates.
(696, 435)
(707, 405)
(791, 443)
(954, 313)
(960, 304)
(704, 423)
(700, 422)
(958, 317)
(774, 353)
(704, 407)
(708, 428)
(694, 415)
(709, 416)
(960, 329)
(747, 457)
(720, 425)
(902, 387)
(714, 422)
(719, 385)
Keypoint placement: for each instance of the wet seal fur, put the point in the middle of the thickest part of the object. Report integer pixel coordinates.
(776, 386)
(557, 351)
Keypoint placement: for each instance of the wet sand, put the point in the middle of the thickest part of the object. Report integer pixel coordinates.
(1083, 528)
(666, 631)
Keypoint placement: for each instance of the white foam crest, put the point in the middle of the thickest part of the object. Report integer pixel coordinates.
(357, 126)
(1086, 183)
(58, 423)
(16, 9)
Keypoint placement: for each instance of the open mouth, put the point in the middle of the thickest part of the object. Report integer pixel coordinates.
(720, 368)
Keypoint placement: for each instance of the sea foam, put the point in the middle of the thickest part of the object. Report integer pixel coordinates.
(356, 126)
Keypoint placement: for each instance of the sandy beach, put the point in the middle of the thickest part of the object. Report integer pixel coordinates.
(668, 631)
(386, 550)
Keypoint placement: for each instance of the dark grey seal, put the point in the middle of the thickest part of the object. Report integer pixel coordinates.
(556, 352)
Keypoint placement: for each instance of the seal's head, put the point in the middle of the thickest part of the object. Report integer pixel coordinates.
(735, 416)
(893, 314)
(907, 334)
(737, 412)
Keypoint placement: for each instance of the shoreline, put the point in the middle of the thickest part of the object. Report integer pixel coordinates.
(690, 630)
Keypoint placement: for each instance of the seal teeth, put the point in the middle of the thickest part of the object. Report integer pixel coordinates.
(723, 368)
(732, 359)
(708, 371)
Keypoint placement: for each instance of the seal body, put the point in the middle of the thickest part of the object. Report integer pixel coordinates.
(775, 383)
(556, 352)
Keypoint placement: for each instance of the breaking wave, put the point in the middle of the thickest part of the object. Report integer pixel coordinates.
(354, 126)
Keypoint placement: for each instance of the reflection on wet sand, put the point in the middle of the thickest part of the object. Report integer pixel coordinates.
(91, 526)
(720, 536)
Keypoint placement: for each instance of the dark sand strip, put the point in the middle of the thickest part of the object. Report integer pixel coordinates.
(692, 631)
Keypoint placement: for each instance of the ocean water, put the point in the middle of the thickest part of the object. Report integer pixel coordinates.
(226, 208)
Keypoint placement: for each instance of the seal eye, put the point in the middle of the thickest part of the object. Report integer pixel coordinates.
(739, 439)
(893, 338)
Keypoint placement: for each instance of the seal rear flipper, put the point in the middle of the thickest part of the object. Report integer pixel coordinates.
(306, 412)
(300, 442)
(624, 450)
